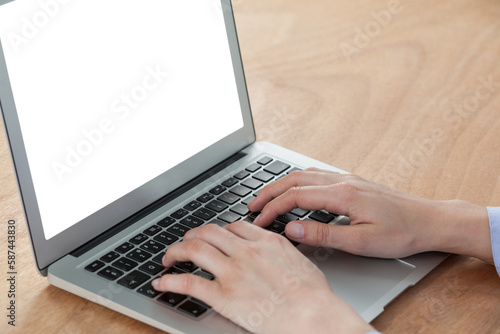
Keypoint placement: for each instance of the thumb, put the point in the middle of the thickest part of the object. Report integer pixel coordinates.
(318, 234)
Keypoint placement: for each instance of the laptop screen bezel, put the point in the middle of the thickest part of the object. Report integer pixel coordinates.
(48, 251)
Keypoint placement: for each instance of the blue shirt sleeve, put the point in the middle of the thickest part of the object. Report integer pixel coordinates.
(494, 215)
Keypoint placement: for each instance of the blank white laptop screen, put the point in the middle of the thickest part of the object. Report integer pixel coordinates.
(111, 94)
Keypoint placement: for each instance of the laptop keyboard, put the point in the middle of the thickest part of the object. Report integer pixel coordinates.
(135, 263)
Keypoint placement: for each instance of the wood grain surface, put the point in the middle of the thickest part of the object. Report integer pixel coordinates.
(406, 93)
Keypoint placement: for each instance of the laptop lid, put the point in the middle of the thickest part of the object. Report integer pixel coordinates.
(110, 105)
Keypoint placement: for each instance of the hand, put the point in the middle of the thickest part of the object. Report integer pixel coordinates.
(263, 283)
(384, 222)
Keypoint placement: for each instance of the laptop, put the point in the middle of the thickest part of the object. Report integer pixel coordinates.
(129, 123)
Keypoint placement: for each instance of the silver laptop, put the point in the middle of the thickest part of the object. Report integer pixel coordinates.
(129, 124)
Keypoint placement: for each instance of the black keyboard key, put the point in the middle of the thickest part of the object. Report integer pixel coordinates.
(252, 184)
(216, 206)
(110, 257)
(192, 308)
(166, 222)
(152, 267)
(321, 216)
(133, 280)
(193, 205)
(217, 190)
(240, 209)
(265, 160)
(248, 199)
(254, 215)
(286, 218)
(139, 255)
(171, 298)
(204, 214)
(217, 222)
(178, 229)
(263, 176)
(94, 266)
(197, 301)
(166, 238)
(242, 175)
(152, 230)
(124, 264)
(253, 167)
(276, 227)
(148, 291)
(174, 271)
(248, 220)
(123, 248)
(205, 275)
(205, 198)
(187, 266)
(158, 258)
(152, 246)
(138, 239)
(299, 212)
(229, 182)
(179, 213)
(110, 273)
(228, 198)
(277, 167)
(192, 221)
(240, 190)
(229, 217)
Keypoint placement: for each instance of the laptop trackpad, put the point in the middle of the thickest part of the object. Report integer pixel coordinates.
(361, 281)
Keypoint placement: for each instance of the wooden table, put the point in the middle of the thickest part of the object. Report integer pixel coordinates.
(397, 92)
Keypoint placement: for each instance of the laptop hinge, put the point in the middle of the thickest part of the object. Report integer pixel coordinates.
(156, 205)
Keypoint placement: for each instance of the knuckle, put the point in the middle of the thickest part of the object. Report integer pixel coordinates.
(187, 283)
(238, 223)
(347, 189)
(272, 237)
(294, 193)
(208, 229)
(322, 235)
(193, 247)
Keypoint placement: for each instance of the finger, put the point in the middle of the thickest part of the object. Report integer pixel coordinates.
(354, 239)
(331, 197)
(308, 177)
(189, 284)
(197, 251)
(246, 230)
(216, 236)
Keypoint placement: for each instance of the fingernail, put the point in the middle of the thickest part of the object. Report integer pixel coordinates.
(295, 230)
(155, 283)
(163, 258)
(256, 220)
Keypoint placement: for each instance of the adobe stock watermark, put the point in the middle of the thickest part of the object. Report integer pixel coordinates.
(122, 107)
(280, 123)
(31, 26)
(453, 117)
(363, 36)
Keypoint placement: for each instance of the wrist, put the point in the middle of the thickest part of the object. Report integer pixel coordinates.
(462, 228)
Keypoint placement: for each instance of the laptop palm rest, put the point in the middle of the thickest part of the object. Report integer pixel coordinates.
(366, 284)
